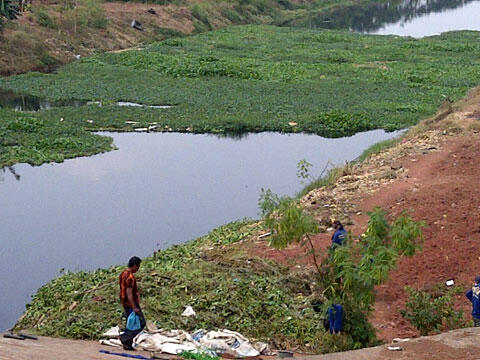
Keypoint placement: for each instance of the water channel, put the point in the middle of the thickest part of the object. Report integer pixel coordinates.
(155, 191)
(164, 189)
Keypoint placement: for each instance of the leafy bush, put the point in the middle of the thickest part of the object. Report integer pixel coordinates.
(344, 122)
(430, 313)
(43, 19)
(349, 274)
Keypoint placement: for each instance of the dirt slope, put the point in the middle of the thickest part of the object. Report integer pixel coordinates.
(434, 173)
(29, 44)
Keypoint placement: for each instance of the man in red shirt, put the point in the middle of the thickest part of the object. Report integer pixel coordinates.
(130, 300)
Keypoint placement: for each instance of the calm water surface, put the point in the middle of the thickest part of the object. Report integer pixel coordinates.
(415, 18)
(155, 191)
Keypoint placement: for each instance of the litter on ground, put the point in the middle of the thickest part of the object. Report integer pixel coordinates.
(175, 341)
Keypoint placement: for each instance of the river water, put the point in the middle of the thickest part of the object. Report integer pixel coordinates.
(416, 18)
(155, 191)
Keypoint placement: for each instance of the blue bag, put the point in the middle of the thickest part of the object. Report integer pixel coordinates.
(133, 322)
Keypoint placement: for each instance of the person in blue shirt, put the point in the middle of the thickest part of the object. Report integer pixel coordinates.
(339, 235)
(474, 296)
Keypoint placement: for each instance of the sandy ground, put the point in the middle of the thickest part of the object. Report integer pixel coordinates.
(56, 349)
(460, 344)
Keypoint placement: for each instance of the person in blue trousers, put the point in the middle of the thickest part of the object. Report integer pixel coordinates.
(474, 296)
(335, 318)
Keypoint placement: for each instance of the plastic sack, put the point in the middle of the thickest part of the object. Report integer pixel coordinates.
(133, 322)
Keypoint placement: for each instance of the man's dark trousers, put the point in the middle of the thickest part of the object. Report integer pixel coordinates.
(128, 335)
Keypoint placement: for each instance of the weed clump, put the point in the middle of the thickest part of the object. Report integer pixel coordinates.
(432, 311)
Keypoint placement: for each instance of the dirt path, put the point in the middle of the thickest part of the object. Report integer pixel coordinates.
(458, 344)
(442, 190)
(46, 348)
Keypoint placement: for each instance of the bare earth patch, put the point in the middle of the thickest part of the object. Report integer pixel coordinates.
(433, 174)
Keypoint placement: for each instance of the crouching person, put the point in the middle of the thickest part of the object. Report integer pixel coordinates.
(130, 300)
(474, 296)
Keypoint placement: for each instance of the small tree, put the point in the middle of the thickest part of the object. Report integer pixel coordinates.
(430, 312)
(288, 222)
(350, 274)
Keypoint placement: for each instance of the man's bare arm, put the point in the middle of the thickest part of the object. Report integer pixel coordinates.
(131, 300)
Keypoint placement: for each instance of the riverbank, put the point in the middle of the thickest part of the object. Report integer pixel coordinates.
(238, 80)
(51, 34)
(229, 276)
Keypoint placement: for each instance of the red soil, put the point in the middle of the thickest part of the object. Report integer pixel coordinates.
(442, 188)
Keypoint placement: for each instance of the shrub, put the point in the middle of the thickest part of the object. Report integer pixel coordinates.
(48, 61)
(201, 15)
(170, 33)
(43, 19)
(232, 15)
(430, 313)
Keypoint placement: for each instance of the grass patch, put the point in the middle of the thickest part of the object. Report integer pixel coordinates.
(377, 148)
(265, 78)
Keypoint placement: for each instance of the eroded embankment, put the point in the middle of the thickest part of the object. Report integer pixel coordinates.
(432, 173)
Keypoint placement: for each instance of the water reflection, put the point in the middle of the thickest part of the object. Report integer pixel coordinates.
(12, 171)
(372, 17)
(20, 102)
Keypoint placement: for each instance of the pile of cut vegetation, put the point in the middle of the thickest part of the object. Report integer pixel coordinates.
(258, 298)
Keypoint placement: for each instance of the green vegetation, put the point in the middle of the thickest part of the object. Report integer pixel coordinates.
(8, 9)
(194, 355)
(261, 78)
(433, 310)
(377, 148)
(29, 139)
(349, 273)
(227, 289)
